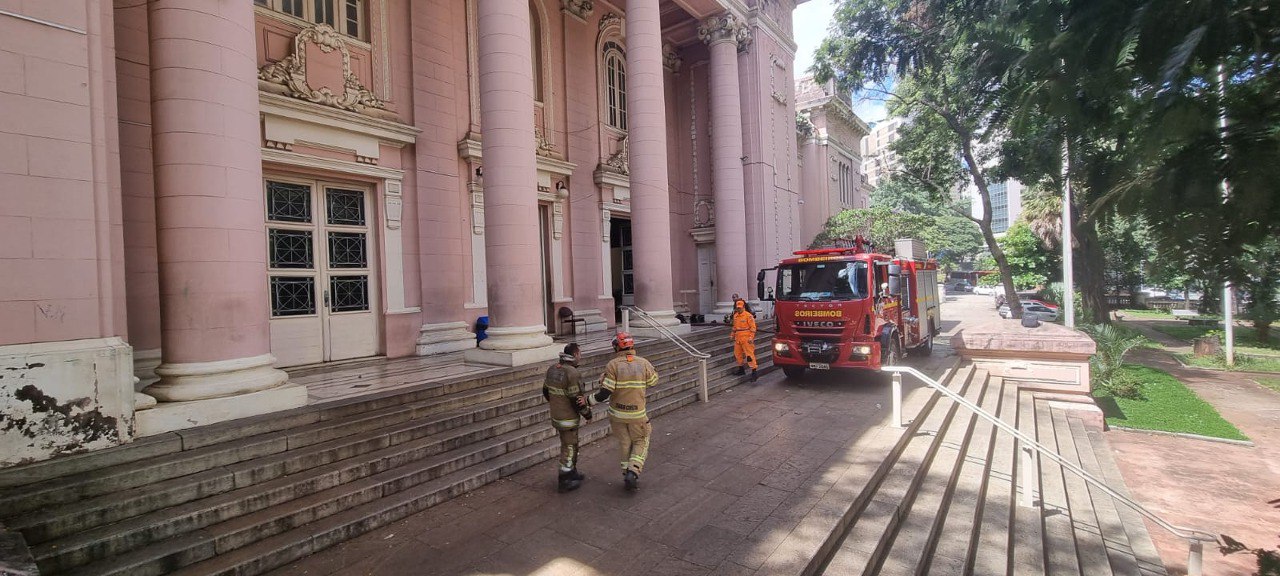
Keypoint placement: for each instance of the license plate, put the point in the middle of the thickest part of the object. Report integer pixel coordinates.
(819, 366)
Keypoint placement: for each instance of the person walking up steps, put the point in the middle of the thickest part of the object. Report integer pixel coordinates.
(562, 389)
(744, 339)
(626, 379)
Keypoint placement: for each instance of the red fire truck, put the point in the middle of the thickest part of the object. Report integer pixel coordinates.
(852, 307)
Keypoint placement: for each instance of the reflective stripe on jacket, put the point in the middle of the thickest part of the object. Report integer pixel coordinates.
(627, 376)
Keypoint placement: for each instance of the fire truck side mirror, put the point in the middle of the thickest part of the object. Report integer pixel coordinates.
(895, 279)
(760, 285)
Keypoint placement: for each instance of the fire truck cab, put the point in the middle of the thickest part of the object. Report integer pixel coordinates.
(851, 307)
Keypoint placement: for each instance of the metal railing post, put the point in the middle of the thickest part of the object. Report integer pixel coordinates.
(1027, 466)
(702, 379)
(1195, 559)
(897, 399)
(626, 319)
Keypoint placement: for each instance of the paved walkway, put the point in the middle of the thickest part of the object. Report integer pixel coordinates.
(1217, 487)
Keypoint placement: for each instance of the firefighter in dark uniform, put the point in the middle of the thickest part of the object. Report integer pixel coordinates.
(626, 379)
(563, 390)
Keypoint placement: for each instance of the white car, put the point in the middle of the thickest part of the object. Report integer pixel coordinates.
(985, 290)
(1044, 313)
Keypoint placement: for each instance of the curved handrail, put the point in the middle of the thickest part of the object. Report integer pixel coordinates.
(1190, 534)
(667, 333)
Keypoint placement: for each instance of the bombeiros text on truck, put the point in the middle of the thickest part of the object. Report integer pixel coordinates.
(849, 306)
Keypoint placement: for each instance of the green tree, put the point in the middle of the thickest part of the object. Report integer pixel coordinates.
(1262, 284)
(946, 88)
(1032, 265)
(879, 225)
(953, 238)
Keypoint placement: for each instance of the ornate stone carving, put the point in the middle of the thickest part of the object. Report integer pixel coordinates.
(394, 204)
(724, 28)
(544, 146)
(610, 19)
(620, 161)
(671, 58)
(804, 126)
(704, 213)
(580, 9)
(779, 97)
(291, 73)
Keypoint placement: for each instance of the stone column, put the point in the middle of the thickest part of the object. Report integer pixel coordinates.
(722, 34)
(647, 139)
(214, 304)
(517, 333)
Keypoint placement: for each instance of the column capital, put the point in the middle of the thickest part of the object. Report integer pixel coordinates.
(725, 27)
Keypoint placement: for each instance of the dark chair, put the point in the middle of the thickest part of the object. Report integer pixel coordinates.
(567, 318)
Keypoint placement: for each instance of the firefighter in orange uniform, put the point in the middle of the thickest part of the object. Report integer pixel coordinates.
(625, 380)
(744, 339)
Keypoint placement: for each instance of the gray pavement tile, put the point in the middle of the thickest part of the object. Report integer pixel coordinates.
(737, 480)
(709, 547)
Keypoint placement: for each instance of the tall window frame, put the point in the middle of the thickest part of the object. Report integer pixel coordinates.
(614, 64)
(349, 17)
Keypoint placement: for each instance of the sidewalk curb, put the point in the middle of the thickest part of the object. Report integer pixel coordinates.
(1188, 435)
(1222, 370)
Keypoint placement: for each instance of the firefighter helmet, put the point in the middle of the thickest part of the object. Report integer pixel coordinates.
(623, 341)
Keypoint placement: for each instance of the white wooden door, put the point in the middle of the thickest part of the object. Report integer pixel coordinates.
(706, 278)
(323, 284)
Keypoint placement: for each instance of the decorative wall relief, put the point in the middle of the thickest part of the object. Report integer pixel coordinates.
(580, 9)
(610, 19)
(671, 59)
(289, 76)
(394, 204)
(620, 161)
(704, 213)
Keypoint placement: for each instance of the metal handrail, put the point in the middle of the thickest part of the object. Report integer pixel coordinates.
(681, 343)
(1194, 537)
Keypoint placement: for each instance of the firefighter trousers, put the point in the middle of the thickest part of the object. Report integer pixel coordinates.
(744, 345)
(568, 447)
(633, 441)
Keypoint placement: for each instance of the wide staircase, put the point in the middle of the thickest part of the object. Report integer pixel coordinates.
(947, 498)
(247, 496)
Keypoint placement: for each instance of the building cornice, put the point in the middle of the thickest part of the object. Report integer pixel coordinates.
(385, 130)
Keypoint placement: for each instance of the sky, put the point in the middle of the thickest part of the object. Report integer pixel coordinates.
(811, 20)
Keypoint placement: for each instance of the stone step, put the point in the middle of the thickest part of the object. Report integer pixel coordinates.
(1091, 551)
(1060, 548)
(1111, 529)
(51, 473)
(1135, 526)
(954, 532)
(252, 479)
(1027, 539)
(914, 536)
(990, 553)
(264, 540)
(332, 424)
(863, 544)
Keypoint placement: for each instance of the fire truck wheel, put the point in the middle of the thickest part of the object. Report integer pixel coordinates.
(793, 372)
(892, 356)
(926, 348)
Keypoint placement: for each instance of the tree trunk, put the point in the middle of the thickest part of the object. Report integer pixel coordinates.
(984, 223)
(1262, 330)
(1090, 266)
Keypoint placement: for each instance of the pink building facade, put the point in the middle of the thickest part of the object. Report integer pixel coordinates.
(200, 193)
(829, 137)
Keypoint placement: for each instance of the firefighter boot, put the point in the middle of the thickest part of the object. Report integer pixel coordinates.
(755, 374)
(570, 481)
(631, 480)
(740, 370)
(577, 475)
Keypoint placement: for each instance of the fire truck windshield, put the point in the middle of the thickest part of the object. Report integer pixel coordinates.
(822, 281)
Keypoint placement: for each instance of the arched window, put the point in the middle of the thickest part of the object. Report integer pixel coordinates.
(535, 37)
(615, 86)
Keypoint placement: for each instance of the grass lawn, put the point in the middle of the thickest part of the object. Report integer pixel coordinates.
(1135, 313)
(1243, 362)
(1166, 405)
(1246, 340)
(1272, 383)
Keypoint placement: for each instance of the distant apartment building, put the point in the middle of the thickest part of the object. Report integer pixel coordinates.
(878, 159)
(828, 137)
(1006, 203)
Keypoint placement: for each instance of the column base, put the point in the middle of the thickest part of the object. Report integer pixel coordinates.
(445, 337)
(515, 346)
(223, 378)
(722, 309)
(170, 416)
(64, 397)
(144, 367)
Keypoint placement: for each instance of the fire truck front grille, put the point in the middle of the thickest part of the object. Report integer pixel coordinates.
(834, 332)
(819, 351)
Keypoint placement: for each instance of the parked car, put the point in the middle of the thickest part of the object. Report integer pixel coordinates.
(1023, 296)
(960, 286)
(1044, 313)
(986, 290)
